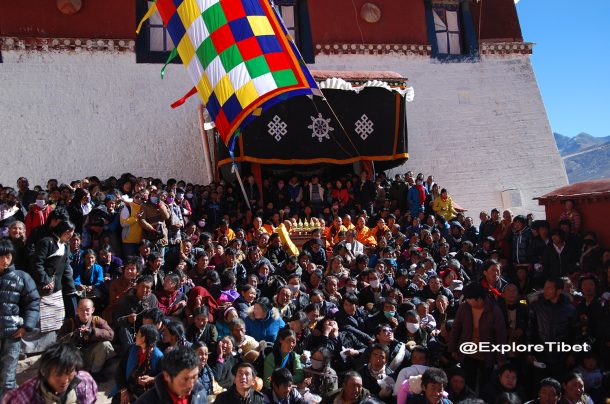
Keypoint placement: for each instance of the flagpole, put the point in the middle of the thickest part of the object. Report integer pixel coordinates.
(235, 171)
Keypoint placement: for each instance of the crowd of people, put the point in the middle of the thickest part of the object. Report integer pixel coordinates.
(202, 293)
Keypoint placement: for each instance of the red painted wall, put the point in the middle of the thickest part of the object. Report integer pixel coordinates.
(593, 212)
(499, 20)
(336, 21)
(112, 19)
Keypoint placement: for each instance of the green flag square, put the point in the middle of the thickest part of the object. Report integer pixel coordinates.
(231, 57)
(214, 17)
(206, 52)
(284, 78)
(257, 66)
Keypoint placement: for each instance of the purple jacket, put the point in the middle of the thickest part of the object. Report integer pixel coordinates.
(492, 328)
(29, 392)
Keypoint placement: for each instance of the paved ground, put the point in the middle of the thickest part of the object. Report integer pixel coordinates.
(28, 368)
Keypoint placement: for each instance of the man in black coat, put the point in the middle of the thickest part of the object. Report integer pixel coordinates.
(353, 319)
(283, 390)
(552, 318)
(242, 391)
(178, 380)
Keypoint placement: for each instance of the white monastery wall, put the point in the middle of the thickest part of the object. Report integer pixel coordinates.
(70, 115)
(480, 128)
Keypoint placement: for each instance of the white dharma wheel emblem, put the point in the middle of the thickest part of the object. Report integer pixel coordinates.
(277, 128)
(320, 127)
(364, 127)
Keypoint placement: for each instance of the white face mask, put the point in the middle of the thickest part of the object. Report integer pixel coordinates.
(350, 290)
(41, 203)
(294, 288)
(316, 364)
(189, 195)
(412, 327)
(374, 283)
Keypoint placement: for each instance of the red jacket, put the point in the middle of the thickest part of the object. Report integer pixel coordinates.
(36, 217)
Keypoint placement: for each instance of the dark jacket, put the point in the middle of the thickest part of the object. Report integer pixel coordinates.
(239, 271)
(131, 304)
(521, 246)
(355, 324)
(552, 321)
(231, 396)
(369, 382)
(223, 369)
(294, 397)
(45, 268)
(364, 193)
(555, 264)
(426, 294)
(242, 307)
(492, 327)
(20, 302)
(159, 394)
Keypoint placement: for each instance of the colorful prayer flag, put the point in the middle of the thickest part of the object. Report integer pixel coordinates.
(239, 56)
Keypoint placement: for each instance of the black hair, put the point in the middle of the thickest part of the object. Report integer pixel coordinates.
(434, 375)
(281, 376)
(227, 278)
(175, 328)
(61, 358)
(488, 264)
(145, 243)
(59, 213)
(173, 278)
(6, 248)
(520, 218)
(201, 311)
(299, 316)
(131, 260)
(507, 367)
(153, 256)
(154, 314)
(244, 365)
(474, 290)
(63, 227)
(199, 344)
(178, 359)
(421, 349)
(230, 251)
(150, 334)
(559, 283)
(145, 279)
(381, 347)
(549, 381)
(571, 376)
(350, 374)
(350, 297)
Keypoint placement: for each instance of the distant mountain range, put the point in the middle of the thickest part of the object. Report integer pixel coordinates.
(586, 157)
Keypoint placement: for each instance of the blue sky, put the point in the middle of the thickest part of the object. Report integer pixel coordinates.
(572, 61)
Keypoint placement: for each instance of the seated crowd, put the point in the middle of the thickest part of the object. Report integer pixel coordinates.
(344, 291)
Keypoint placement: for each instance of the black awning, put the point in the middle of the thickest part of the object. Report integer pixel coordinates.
(369, 125)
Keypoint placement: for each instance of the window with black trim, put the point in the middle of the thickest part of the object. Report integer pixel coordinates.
(296, 19)
(450, 29)
(153, 44)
